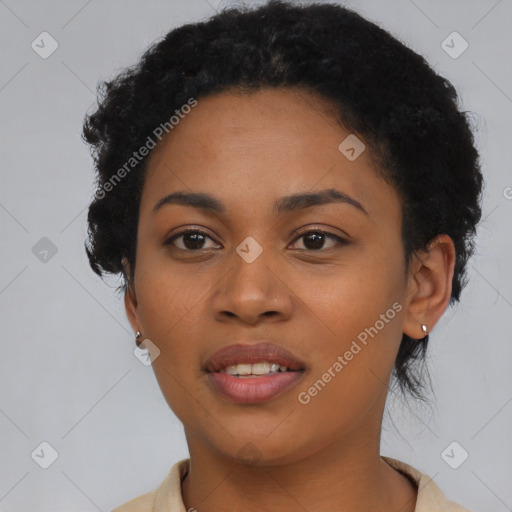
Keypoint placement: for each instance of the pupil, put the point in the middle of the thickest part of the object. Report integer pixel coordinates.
(318, 240)
(197, 238)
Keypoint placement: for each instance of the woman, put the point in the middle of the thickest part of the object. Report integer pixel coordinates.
(290, 195)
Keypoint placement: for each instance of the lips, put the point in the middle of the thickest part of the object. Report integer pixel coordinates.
(253, 389)
(252, 354)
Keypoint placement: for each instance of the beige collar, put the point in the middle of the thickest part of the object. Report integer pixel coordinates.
(167, 497)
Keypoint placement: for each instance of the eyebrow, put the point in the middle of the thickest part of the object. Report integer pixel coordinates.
(282, 206)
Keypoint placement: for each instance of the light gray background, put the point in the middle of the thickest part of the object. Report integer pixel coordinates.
(67, 372)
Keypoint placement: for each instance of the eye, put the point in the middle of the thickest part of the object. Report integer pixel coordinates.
(192, 240)
(314, 239)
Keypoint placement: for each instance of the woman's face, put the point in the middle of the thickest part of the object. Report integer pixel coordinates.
(256, 276)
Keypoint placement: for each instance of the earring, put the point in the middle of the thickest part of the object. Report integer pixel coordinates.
(424, 329)
(137, 336)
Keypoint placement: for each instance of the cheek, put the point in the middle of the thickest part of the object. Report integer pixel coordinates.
(167, 296)
(169, 320)
(169, 313)
(359, 320)
(352, 297)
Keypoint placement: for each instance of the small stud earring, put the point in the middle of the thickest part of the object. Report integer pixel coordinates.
(424, 329)
(137, 336)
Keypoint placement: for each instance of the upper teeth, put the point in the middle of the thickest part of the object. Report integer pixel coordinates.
(254, 369)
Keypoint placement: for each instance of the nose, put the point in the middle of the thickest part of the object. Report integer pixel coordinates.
(252, 292)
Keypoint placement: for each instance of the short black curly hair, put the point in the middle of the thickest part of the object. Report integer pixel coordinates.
(382, 90)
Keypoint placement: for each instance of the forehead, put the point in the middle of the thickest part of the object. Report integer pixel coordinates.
(258, 146)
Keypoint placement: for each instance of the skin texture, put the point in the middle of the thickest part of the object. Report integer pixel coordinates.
(248, 150)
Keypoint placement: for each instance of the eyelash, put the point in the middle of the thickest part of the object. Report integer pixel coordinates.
(340, 241)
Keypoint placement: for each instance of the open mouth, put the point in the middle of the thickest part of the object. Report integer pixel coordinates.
(248, 370)
(256, 383)
(253, 373)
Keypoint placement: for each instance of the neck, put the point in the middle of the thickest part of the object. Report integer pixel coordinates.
(344, 476)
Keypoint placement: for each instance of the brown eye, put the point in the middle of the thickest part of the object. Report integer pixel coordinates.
(192, 240)
(314, 240)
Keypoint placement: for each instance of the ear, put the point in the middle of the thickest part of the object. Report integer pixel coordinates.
(429, 286)
(130, 299)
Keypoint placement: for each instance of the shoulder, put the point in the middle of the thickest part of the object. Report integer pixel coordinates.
(166, 498)
(430, 497)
